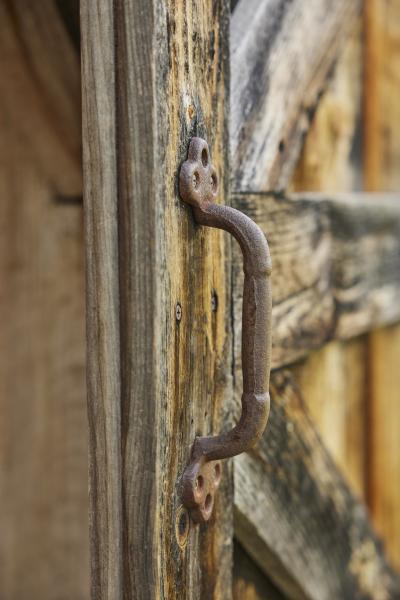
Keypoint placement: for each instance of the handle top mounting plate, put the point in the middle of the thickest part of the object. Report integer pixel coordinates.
(198, 181)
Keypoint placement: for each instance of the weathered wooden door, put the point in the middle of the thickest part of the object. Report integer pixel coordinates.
(164, 300)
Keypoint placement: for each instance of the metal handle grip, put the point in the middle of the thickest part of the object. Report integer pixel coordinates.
(198, 186)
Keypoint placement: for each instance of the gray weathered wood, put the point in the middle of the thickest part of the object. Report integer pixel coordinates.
(336, 267)
(102, 299)
(281, 56)
(296, 517)
(154, 74)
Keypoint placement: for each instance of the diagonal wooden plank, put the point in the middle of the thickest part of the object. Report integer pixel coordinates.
(336, 267)
(281, 56)
(296, 517)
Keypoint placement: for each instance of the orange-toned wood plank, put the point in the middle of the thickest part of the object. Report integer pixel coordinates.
(381, 159)
(384, 430)
(381, 95)
(332, 380)
(333, 383)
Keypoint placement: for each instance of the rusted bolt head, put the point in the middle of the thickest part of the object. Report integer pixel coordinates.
(214, 301)
(178, 312)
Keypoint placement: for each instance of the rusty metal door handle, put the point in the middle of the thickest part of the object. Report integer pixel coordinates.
(198, 186)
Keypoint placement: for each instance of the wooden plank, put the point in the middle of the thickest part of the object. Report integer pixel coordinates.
(296, 517)
(381, 108)
(330, 159)
(281, 56)
(102, 302)
(333, 383)
(383, 430)
(44, 549)
(381, 150)
(249, 582)
(336, 266)
(154, 74)
(333, 379)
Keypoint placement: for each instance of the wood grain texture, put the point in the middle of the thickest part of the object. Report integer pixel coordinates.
(381, 151)
(44, 546)
(102, 300)
(282, 54)
(296, 517)
(336, 266)
(154, 74)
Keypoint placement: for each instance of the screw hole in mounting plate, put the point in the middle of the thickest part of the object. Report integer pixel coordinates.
(204, 157)
(196, 180)
(182, 526)
(200, 482)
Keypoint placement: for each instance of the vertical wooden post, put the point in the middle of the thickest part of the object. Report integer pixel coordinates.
(381, 157)
(333, 378)
(154, 73)
(102, 297)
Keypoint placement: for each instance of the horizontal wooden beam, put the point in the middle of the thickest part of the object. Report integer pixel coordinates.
(336, 267)
(281, 56)
(296, 517)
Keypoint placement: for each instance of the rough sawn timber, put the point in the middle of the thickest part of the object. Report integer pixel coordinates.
(336, 267)
(155, 74)
(281, 56)
(296, 517)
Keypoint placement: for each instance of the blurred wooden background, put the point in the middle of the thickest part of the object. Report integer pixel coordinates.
(354, 143)
(44, 548)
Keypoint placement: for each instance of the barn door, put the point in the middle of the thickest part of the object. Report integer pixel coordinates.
(164, 301)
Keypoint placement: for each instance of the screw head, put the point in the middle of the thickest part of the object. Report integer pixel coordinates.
(214, 301)
(178, 312)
